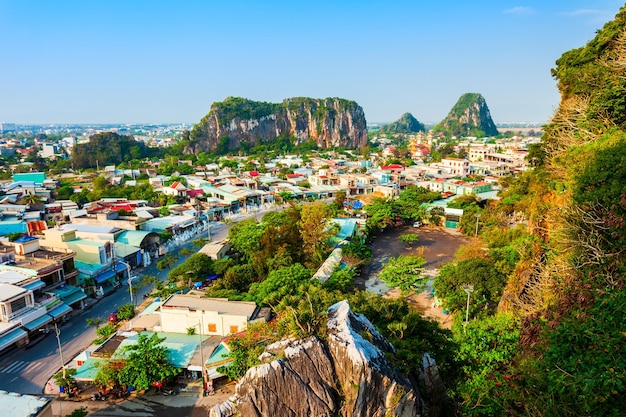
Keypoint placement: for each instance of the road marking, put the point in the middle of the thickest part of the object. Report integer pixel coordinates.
(13, 367)
(21, 367)
(32, 366)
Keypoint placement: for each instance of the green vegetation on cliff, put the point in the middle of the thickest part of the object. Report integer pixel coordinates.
(566, 273)
(241, 124)
(242, 108)
(406, 124)
(470, 116)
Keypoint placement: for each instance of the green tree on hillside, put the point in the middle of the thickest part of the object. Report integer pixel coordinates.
(404, 272)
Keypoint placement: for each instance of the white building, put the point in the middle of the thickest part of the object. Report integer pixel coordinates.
(49, 150)
(215, 316)
(456, 166)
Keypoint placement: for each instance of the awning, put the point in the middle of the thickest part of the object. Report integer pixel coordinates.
(196, 368)
(38, 323)
(213, 374)
(120, 266)
(35, 285)
(12, 337)
(60, 311)
(74, 297)
(104, 276)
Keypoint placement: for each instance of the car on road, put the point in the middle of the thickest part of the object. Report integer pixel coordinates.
(417, 224)
(113, 318)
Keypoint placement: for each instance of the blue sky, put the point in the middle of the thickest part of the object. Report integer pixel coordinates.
(168, 61)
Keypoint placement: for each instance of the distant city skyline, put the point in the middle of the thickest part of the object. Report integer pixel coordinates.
(120, 62)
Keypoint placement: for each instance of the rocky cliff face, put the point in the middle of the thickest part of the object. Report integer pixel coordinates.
(470, 116)
(236, 123)
(347, 375)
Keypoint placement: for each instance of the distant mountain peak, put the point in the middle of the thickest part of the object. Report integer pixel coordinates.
(405, 124)
(470, 116)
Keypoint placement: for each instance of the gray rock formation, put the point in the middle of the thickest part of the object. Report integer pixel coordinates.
(346, 375)
(238, 123)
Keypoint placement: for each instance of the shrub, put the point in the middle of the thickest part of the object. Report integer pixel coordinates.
(126, 312)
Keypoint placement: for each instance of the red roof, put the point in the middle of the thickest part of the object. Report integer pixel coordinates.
(125, 207)
(294, 175)
(392, 166)
(254, 173)
(195, 193)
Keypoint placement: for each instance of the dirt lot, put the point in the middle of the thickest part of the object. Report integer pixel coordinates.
(438, 245)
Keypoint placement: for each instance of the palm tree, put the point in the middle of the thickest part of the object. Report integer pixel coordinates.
(30, 199)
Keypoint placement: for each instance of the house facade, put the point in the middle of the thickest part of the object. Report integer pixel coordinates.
(214, 316)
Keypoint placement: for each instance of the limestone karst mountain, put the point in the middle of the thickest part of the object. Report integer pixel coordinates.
(405, 124)
(239, 123)
(470, 116)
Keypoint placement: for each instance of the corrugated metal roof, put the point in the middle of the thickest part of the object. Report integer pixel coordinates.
(133, 237)
(22, 405)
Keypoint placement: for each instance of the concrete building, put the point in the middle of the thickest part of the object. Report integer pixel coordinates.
(456, 166)
(7, 127)
(217, 316)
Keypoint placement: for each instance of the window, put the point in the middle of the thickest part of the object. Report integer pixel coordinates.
(234, 329)
(17, 305)
(212, 328)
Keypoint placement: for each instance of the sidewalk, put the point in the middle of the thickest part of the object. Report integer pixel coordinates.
(149, 403)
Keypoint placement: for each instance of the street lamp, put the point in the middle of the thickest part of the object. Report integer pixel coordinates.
(57, 332)
(468, 288)
(130, 281)
(201, 325)
(477, 215)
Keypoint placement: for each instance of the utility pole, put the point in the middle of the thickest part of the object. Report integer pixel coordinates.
(468, 288)
(477, 215)
(58, 335)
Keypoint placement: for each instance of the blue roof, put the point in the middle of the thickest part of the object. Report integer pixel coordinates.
(347, 227)
(151, 308)
(89, 369)
(181, 347)
(38, 177)
(12, 226)
(220, 353)
(133, 237)
(25, 238)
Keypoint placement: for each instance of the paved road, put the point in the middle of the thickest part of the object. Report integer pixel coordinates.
(28, 369)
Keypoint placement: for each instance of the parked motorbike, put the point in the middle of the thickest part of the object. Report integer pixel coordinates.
(98, 396)
(170, 391)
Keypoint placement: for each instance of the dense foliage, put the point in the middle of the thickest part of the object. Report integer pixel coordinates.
(552, 258)
(406, 124)
(145, 362)
(465, 109)
(237, 107)
(107, 148)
